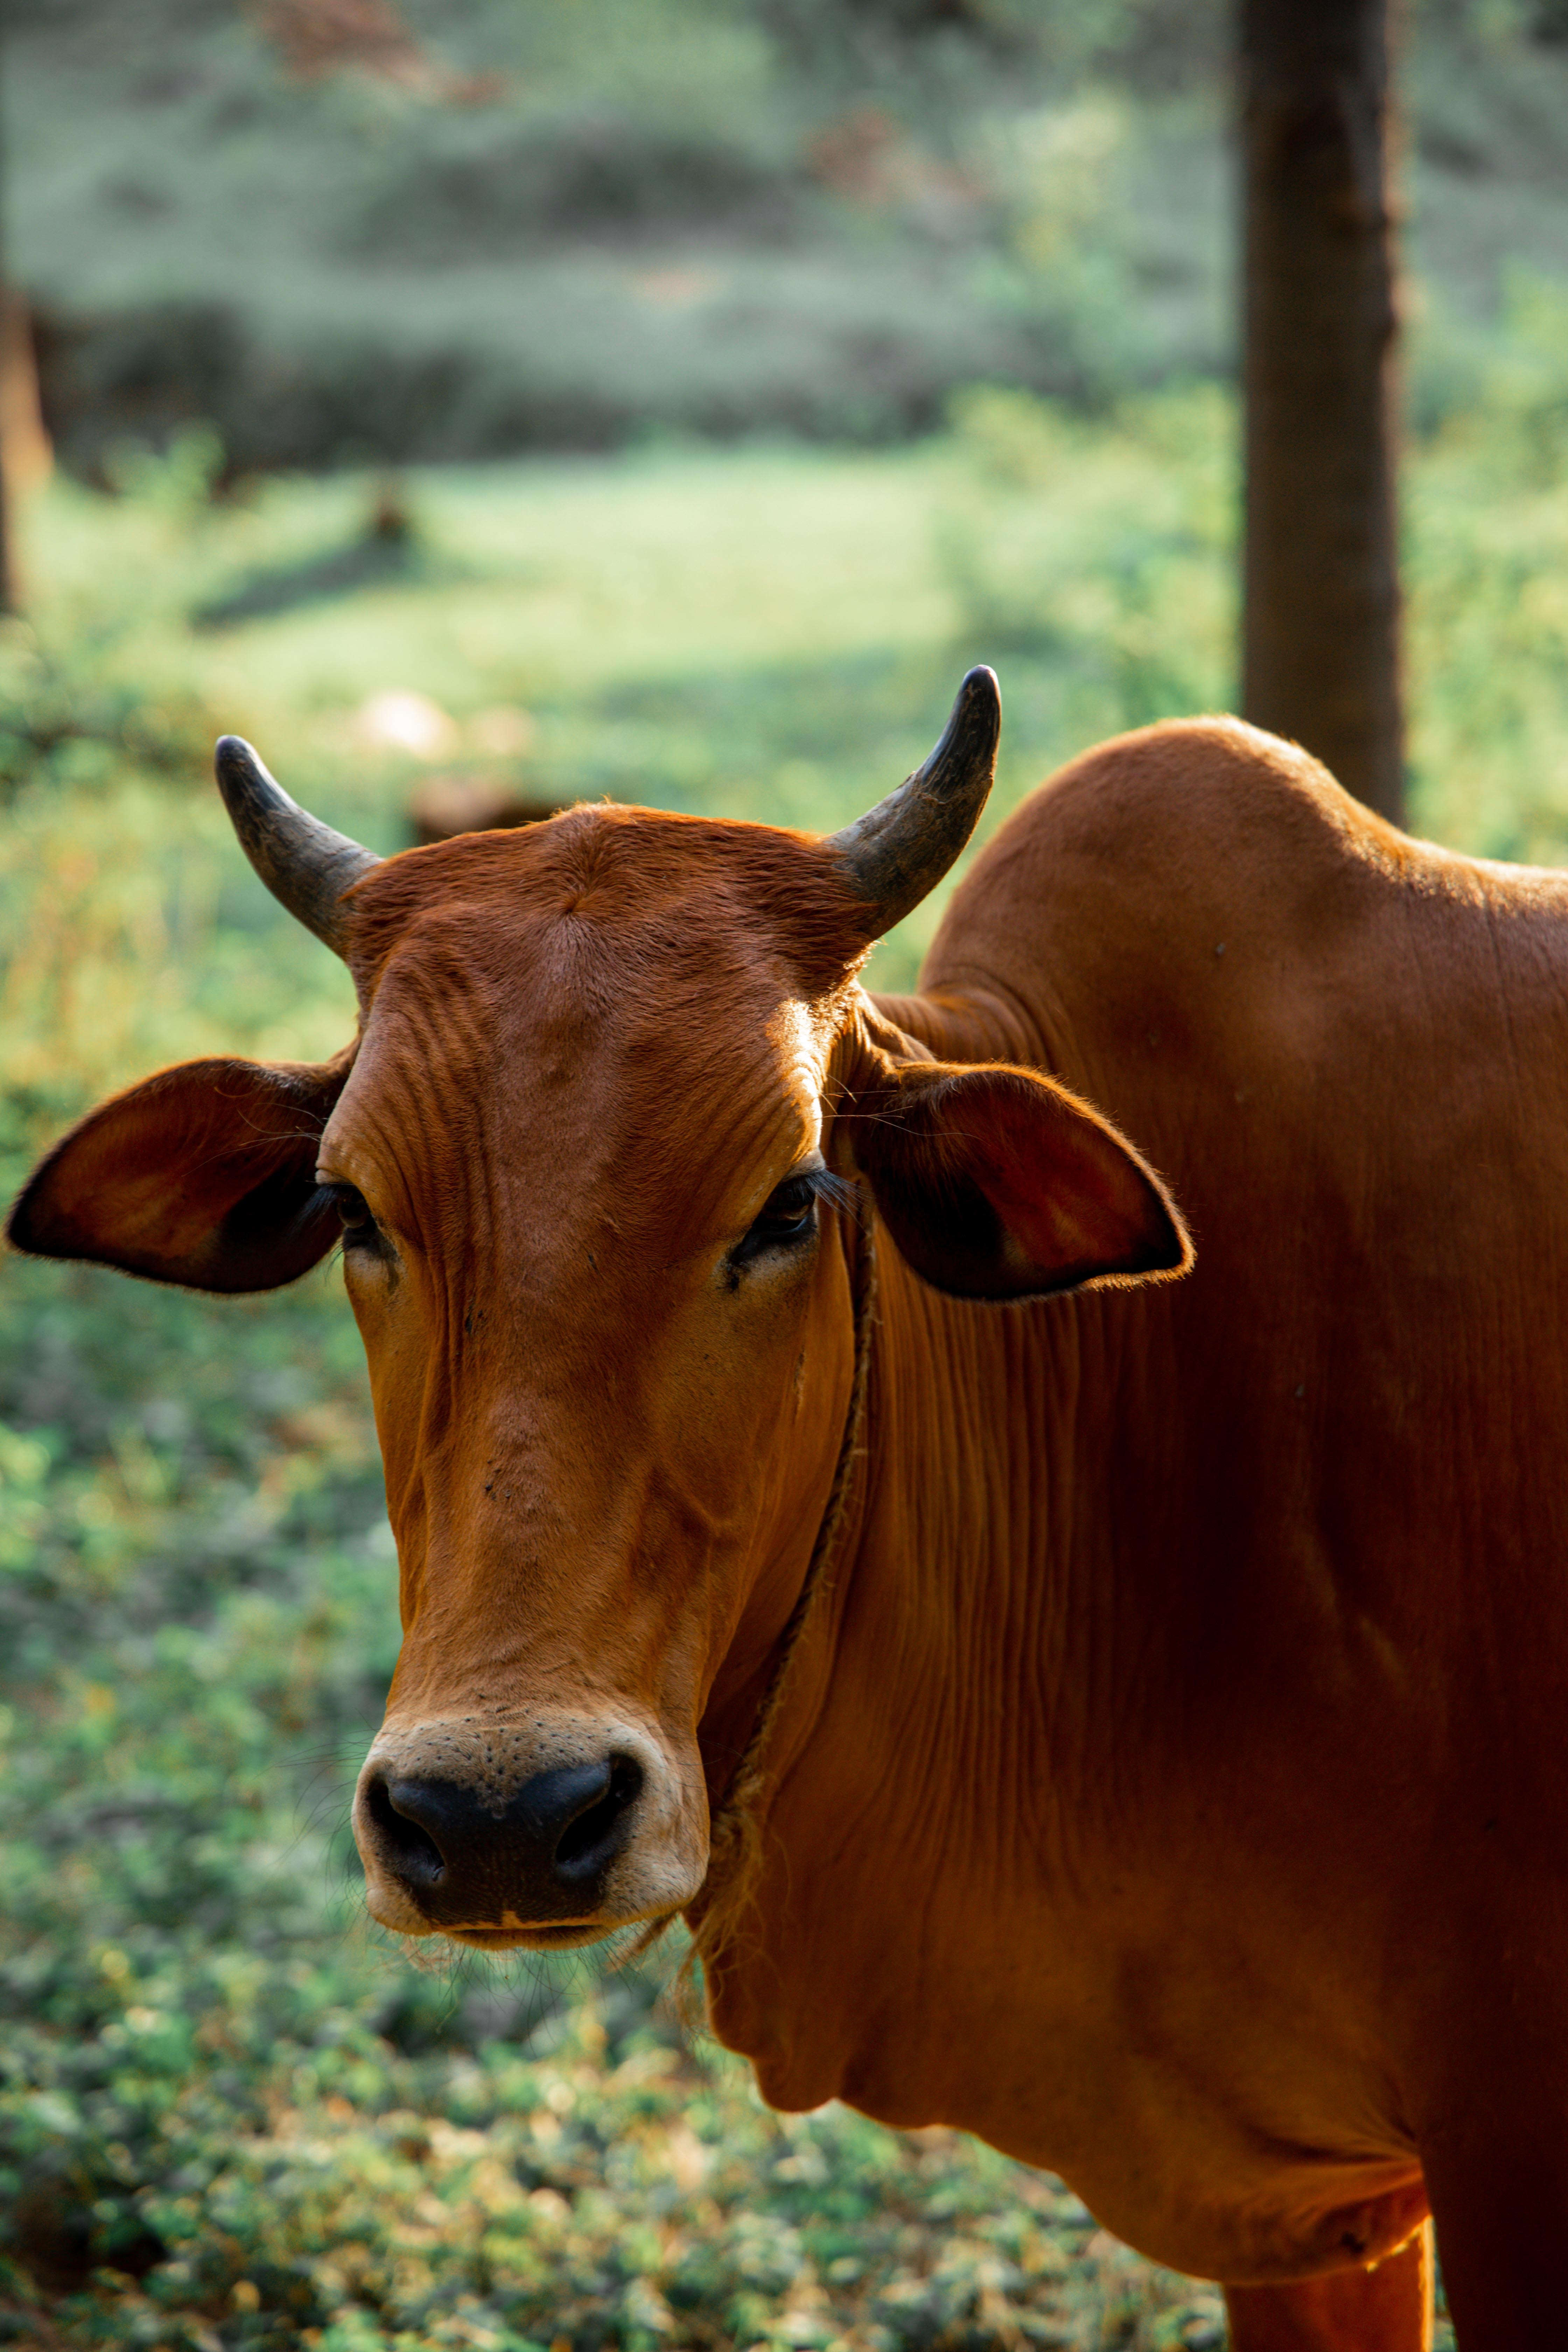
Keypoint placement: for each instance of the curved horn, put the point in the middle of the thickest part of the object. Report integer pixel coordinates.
(900, 849)
(302, 861)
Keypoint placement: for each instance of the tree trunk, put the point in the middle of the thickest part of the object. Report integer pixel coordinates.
(1320, 628)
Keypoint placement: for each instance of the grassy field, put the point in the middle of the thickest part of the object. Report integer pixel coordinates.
(230, 2113)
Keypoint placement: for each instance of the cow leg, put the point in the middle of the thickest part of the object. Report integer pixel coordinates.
(1387, 2309)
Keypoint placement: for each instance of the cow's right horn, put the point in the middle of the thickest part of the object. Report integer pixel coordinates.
(900, 849)
(302, 861)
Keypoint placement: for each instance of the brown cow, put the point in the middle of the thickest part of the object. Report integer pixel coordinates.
(1132, 1719)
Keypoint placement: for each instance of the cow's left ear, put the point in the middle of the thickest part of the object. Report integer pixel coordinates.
(203, 1174)
(996, 1182)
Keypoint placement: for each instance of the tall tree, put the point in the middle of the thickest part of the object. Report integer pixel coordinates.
(1320, 657)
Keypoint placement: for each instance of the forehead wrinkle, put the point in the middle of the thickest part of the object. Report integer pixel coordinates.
(717, 1128)
(618, 867)
(679, 1156)
(413, 1110)
(628, 1049)
(803, 1043)
(534, 966)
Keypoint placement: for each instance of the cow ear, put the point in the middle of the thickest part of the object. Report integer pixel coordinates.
(995, 1182)
(205, 1174)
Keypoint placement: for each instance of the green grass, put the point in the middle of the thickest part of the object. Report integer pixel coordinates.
(231, 2113)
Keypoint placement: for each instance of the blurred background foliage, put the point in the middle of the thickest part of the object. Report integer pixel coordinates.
(342, 235)
(664, 400)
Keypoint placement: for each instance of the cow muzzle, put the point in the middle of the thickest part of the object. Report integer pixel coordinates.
(501, 1833)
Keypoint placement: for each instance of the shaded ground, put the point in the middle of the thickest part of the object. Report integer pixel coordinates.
(385, 551)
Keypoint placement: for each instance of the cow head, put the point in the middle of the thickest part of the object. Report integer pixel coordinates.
(591, 1159)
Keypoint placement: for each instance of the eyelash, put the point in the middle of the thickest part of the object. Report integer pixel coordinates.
(787, 1217)
(786, 1220)
(360, 1231)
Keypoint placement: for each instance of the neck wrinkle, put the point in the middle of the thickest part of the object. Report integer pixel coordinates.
(739, 1690)
(946, 1757)
(970, 1023)
(894, 1814)
(946, 1773)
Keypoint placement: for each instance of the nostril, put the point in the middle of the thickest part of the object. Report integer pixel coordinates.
(407, 1843)
(553, 1840)
(581, 1848)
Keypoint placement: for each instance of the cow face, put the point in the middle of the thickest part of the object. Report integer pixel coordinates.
(581, 1171)
(593, 1160)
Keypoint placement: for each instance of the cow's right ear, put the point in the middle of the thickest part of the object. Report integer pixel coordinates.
(996, 1182)
(204, 1175)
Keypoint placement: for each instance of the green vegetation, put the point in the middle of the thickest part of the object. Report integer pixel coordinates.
(230, 2113)
(587, 222)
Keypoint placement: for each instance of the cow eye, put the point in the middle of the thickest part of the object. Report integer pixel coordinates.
(360, 1228)
(788, 1216)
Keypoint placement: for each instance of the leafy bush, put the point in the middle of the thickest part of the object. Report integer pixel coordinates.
(1109, 548)
(481, 186)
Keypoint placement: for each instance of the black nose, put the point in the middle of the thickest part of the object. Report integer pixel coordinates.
(541, 1857)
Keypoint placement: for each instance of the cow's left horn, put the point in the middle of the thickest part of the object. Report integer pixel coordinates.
(900, 849)
(302, 861)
